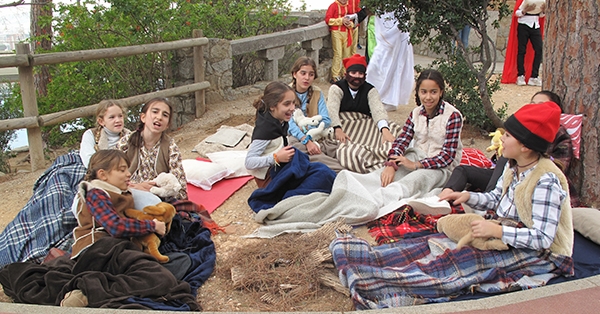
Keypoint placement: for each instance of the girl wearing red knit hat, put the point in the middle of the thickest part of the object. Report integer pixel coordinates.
(533, 191)
(532, 205)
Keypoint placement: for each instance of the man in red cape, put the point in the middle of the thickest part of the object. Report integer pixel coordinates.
(509, 73)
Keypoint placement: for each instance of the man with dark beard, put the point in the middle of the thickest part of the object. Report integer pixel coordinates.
(355, 95)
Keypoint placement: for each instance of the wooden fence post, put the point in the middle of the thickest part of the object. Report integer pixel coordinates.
(30, 109)
(199, 74)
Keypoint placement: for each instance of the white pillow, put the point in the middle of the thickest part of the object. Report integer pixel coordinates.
(587, 222)
(234, 160)
(204, 174)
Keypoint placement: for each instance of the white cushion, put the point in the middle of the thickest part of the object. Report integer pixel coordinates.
(234, 160)
(587, 222)
(204, 174)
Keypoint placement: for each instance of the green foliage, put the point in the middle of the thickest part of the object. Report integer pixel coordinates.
(437, 23)
(463, 91)
(96, 24)
(447, 18)
(5, 136)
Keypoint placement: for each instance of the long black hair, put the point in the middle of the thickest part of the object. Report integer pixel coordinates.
(435, 76)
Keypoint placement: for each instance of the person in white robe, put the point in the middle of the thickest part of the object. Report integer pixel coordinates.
(391, 67)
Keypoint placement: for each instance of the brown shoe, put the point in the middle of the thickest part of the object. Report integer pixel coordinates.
(74, 298)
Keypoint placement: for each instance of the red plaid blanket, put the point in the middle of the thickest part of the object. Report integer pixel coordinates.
(403, 221)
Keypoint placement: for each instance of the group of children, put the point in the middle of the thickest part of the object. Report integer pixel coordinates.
(532, 190)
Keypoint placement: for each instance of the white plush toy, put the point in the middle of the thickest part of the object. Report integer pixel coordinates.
(167, 185)
(319, 132)
(303, 122)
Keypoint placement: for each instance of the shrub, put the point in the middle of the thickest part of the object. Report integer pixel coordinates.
(463, 91)
(95, 24)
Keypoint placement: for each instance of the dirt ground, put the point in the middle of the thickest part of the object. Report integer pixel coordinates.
(218, 294)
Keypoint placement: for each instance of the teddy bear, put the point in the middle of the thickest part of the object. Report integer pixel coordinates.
(458, 229)
(149, 243)
(496, 142)
(303, 122)
(167, 185)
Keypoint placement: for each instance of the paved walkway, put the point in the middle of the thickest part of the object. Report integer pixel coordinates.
(579, 296)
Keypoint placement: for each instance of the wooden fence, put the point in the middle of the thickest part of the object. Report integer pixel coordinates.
(25, 61)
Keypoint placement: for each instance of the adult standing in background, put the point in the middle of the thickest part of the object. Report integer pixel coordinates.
(511, 69)
(391, 67)
(344, 33)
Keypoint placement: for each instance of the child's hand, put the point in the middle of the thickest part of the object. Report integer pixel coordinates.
(386, 136)
(341, 136)
(456, 197)
(445, 192)
(161, 228)
(312, 148)
(387, 176)
(285, 154)
(486, 229)
(346, 21)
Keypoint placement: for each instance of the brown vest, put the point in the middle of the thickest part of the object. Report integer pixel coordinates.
(162, 161)
(312, 108)
(88, 230)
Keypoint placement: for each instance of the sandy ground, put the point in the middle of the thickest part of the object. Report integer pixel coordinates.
(218, 294)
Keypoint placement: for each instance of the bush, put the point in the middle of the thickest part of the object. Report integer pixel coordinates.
(5, 136)
(95, 24)
(462, 91)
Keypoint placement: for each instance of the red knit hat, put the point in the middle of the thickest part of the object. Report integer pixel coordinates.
(535, 125)
(356, 63)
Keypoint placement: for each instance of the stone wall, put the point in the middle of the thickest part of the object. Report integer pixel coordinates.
(218, 66)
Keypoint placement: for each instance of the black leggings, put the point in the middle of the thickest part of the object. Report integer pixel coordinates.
(477, 179)
(525, 34)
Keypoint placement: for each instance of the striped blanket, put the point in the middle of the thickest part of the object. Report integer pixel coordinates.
(428, 269)
(365, 153)
(46, 221)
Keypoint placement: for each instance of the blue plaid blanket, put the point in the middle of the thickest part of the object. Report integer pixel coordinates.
(46, 221)
(428, 269)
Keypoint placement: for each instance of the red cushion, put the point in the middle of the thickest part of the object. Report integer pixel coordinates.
(475, 157)
(572, 123)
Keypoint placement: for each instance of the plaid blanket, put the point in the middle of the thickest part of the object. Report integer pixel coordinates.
(429, 269)
(365, 152)
(405, 222)
(46, 221)
(140, 282)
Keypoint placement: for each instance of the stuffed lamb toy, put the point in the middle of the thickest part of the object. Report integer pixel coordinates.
(167, 185)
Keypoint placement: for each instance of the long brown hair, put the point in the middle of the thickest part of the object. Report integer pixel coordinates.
(104, 159)
(273, 94)
(300, 62)
(136, 138)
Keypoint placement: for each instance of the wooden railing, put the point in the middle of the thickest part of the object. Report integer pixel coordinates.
(25, 61)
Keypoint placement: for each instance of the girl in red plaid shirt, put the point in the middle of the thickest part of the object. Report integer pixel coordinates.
(102, 200)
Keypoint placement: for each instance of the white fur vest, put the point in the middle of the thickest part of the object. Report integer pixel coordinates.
(563, 239)
(431, 133)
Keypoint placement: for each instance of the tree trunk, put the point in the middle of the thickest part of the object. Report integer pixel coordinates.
(43, 41)
(572, 70)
